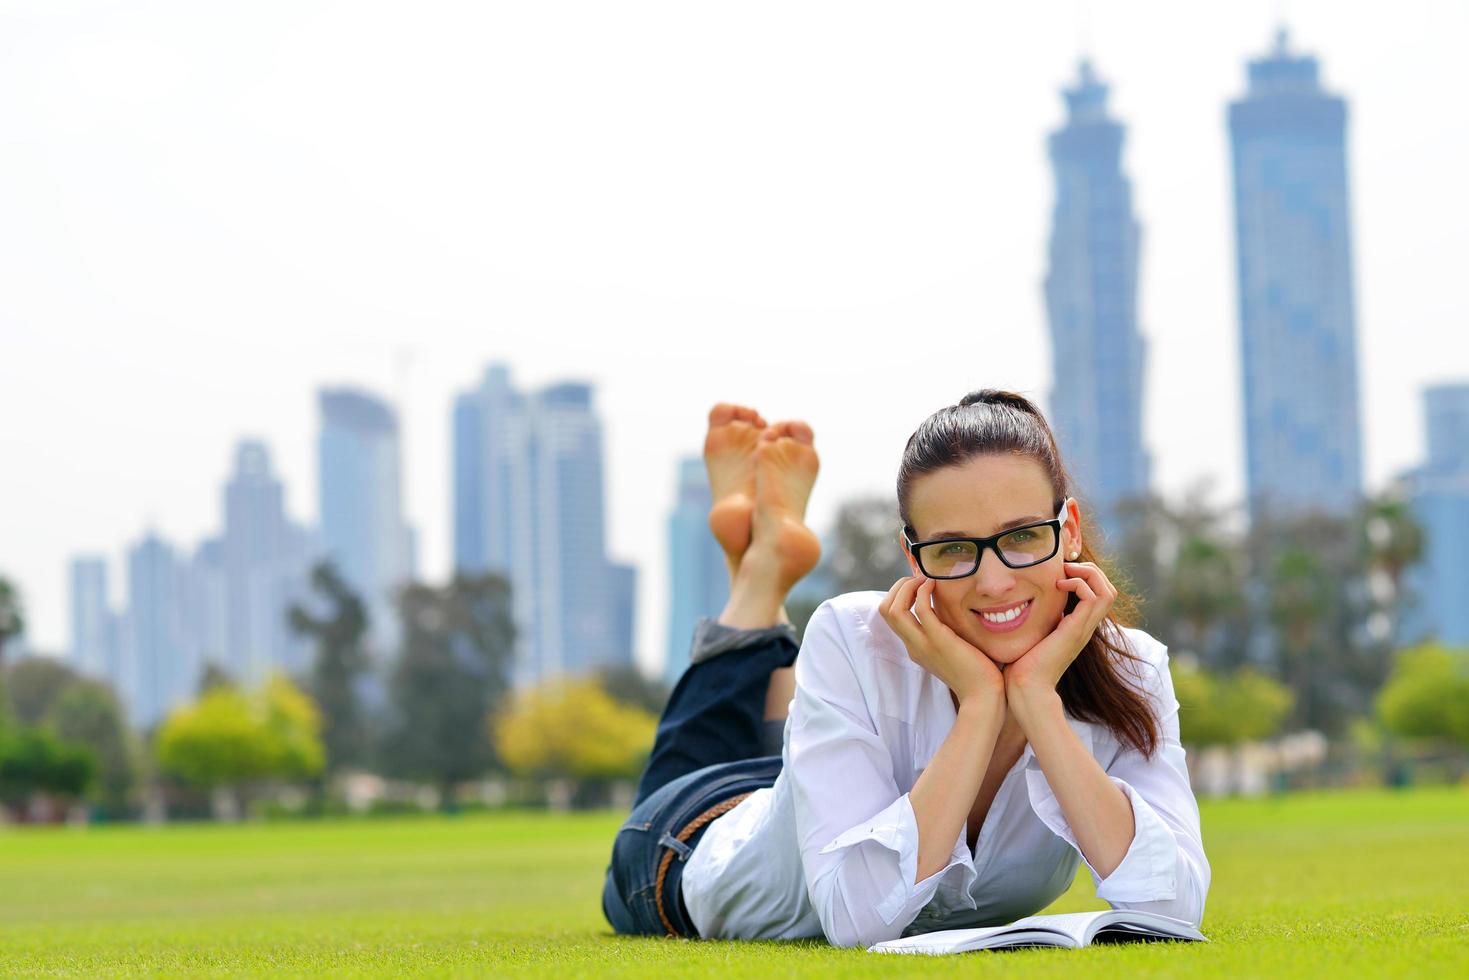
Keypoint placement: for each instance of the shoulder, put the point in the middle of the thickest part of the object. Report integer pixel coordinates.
(853, 622)
(849, 651)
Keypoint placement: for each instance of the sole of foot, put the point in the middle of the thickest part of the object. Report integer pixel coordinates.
(729, 457)
(785, 470)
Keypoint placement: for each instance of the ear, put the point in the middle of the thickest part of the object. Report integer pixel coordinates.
(1071, 539)
(912, 562)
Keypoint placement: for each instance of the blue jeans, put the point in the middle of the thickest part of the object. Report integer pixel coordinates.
(712, 744)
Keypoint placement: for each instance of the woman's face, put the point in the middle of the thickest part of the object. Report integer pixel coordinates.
(976, 499)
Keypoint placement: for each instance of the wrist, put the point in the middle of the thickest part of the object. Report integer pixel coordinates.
(1032, 702)
(986, 701)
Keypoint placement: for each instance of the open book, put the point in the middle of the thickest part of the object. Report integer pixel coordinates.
(1072, 930)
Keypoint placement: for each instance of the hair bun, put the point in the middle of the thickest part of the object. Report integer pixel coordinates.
(995, 396)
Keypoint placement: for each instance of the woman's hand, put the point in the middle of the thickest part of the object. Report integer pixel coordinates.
(908, 609)
(1040, 668)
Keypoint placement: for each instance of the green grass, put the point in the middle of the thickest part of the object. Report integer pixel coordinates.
(1321, 885)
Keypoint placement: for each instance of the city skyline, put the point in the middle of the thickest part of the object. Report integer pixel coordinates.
(652, 342)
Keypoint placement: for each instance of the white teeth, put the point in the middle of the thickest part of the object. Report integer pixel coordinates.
(1005, 617)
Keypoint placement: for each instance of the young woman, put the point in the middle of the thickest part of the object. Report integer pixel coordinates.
(954, 748)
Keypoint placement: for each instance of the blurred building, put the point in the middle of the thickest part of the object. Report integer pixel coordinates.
(360, 506)
(1297, 317)
(265, 559)
(93, 626)
(156, 668)
(1438, 495)
(1098, 355)
(529, 504)
(698, 579)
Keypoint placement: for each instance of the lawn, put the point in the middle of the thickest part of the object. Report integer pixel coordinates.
(1319, 885)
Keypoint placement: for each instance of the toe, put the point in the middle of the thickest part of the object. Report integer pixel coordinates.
(722, 414)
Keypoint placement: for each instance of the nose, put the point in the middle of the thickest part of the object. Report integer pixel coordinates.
(993, 578)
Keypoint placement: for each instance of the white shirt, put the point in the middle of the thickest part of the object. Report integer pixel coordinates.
(832, 848)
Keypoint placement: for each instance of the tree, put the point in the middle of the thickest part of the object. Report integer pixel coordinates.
(216, 741)
(1205, 587)
(1215, 710)
(453, 669)
(230, 739)
(88, 713)
(1392, 542)
(865, 551)
(338, 668)
(34, 685)
(628, 685)
(35, 761)
(573, 729)
(292, 726)
(214, 676)
(1427, 694)
(12, 616)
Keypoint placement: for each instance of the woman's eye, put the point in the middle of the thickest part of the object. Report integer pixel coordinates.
(953, 548)
(1021, 537)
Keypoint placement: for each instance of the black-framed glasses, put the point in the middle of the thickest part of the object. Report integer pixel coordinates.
(1019, 547)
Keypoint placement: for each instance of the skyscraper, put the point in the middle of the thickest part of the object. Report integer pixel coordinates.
(1297, 318)
(93, 646)
(698, 581)
(529, 504)
(1091, 300)
(265, 561)
(1438, 495)
(158, 670)
(360, 505)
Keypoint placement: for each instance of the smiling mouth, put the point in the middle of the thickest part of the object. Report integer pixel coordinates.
(1008, 619)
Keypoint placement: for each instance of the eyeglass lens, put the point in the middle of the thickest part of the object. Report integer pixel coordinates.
(954, 559)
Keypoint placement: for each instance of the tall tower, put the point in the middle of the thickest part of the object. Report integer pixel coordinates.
(1091, 300)
(698, 580)
(1438, 494)
(529, 504)
(361, 511)
(1298, 335)
(92, 643)
(265, 567)
(158, 670)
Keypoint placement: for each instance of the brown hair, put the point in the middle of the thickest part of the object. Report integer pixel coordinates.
(990, 422)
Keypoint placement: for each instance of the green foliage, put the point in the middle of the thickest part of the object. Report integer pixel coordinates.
(573, 728)
(88, 713)
(1427, 694)
(864, 550)
(227, 738)
(33, 685)
(338, 667)
(1215, 710)
(629, 686)
(453, 670)
(35, 761)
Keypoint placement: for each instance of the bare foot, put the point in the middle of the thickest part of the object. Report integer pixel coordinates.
(729, 456)
(785, 469)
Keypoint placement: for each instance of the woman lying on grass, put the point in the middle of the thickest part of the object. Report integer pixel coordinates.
(953, 748)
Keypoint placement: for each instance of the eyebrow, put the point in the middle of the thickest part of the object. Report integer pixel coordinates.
(1017, 522)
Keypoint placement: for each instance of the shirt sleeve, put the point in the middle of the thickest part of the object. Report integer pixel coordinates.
(856, 829)
(1164, 870)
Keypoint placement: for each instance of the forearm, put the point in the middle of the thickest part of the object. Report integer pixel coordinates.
(1098, 812)
(944, 794)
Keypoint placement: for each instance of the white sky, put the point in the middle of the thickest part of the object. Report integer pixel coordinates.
(835, 211)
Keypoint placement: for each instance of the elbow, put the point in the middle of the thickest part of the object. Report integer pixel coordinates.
(844, 932)
(847, 927)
